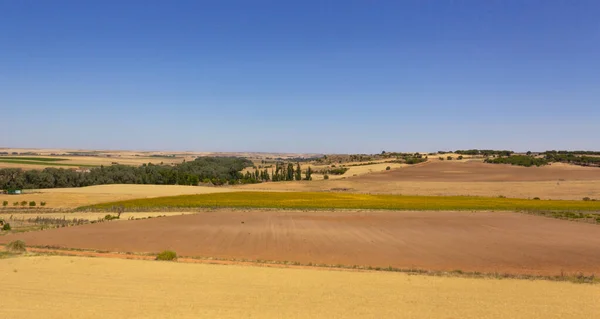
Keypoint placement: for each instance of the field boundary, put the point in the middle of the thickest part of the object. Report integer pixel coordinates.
(63, 251)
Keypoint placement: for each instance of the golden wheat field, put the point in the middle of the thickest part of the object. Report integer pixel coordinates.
(58, 287)
(78, 196)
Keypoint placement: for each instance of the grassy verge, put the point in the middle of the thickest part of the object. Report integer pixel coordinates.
(314, 200)
(45, 163)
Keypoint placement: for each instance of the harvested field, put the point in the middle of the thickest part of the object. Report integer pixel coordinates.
(474, 171)
(484, 241)
(117, 288)
(78, 196)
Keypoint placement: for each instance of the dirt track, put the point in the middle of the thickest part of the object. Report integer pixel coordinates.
(485, 242)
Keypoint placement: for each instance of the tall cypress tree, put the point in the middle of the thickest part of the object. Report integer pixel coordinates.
(298, 172)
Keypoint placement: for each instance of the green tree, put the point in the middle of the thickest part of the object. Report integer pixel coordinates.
(290, 172)
(298, 172)
(309, 174)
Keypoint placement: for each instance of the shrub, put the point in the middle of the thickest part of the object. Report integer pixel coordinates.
(16, 246)
(42, 203)
(441, 158)
(449, 158)
(388, 168)
(459, 157)
(23, 203)
(586, 199)
(32, 203)
(325, 176)
(536, 198)
(5, 203)
(501, 196)
(110, 217)
(6, 226)
(16, 204)
(167, 255)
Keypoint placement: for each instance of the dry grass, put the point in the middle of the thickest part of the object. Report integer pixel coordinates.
(117, 288)
(75, 197)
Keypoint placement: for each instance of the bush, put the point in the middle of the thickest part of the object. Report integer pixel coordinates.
(388, 168)
(449, 158)
(501, 196)
(42, 203)
(16, 204)
(325, 176)
(16, 246)
(6, 226)
(536, 198)
(167, 255)
(110, 217)
(441, 158)
(459, 157)
(32, 203)
(23, 203)
(587, 199)
(5, 203)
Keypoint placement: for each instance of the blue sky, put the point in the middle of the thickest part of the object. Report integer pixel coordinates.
(303, 76)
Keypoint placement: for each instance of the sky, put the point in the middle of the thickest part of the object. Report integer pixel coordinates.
(300, 76)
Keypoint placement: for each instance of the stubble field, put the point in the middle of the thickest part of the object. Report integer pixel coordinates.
(114, 288)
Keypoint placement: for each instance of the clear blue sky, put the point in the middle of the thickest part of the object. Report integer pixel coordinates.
(301, 76)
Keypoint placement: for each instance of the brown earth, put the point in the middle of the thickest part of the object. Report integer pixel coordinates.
(484, 241)
(475, 171)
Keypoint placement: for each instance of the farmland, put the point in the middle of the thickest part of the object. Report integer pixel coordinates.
(478, 242)
(117, 288)
(424, 224)
(328, 200)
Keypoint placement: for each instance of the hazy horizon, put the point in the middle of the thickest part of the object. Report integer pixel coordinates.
(341, 77)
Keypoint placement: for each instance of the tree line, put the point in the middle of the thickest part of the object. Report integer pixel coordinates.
(208, 170)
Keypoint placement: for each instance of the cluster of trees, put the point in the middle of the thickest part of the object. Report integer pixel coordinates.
(216, 170)
(485, 153)
(520, 160)
(572, 158)
(281, 172)
(334, 171)
(573, 152)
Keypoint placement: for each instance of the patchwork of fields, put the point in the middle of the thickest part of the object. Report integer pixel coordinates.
(320, 223)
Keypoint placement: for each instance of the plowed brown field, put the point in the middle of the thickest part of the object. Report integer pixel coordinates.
(484, 241)
(473, 171)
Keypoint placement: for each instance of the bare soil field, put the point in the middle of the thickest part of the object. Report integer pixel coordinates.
(115, 288)
(474, 171)
(79, 196)
(486, 242)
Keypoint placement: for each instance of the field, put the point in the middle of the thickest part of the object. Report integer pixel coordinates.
(328, 200)
(444, 231)
(482, 242)
(116, 288)
(64, 198)
(461, 178)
